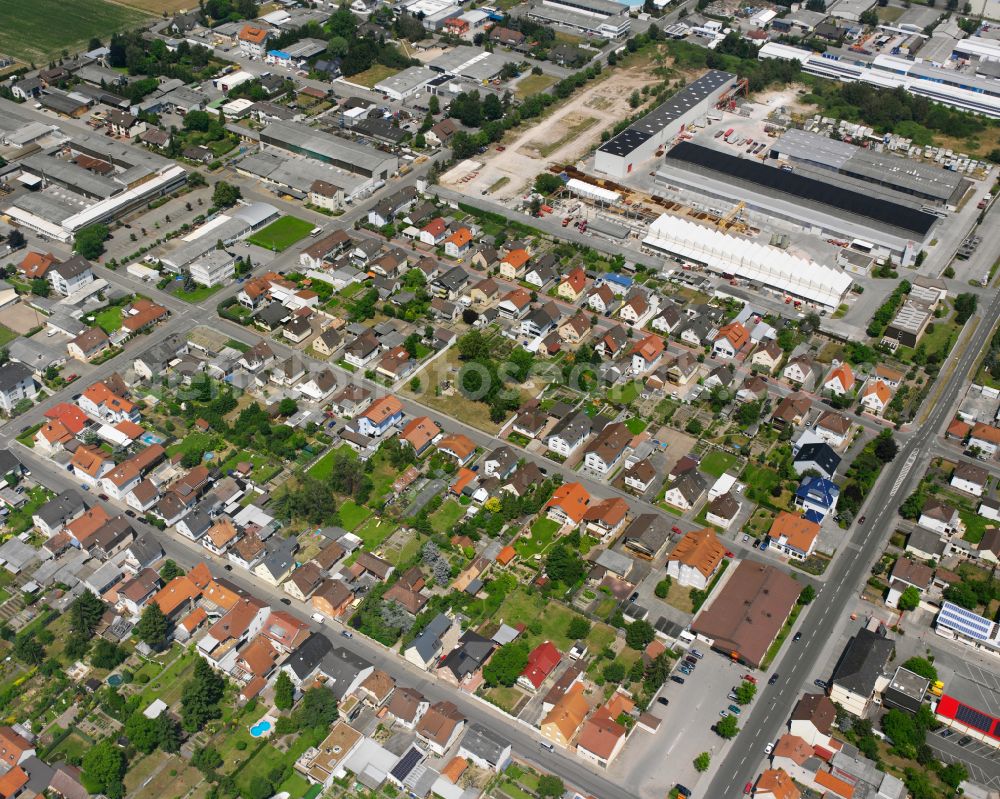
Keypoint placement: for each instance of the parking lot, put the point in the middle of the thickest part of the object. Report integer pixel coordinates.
(685, 731)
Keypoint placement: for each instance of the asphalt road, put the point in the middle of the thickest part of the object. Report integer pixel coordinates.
(775, 703)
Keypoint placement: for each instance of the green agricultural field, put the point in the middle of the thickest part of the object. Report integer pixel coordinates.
(281, 233)
(39, 30)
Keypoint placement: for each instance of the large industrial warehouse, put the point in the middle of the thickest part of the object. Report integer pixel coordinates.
(896, 177)
(639, 142)
(834, 206)
(731, 255)
(355, 157)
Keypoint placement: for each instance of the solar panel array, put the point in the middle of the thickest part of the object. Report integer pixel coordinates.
(407, 763)
(973, 718)
(965, 621)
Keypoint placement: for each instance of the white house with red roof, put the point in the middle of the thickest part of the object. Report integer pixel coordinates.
(542, 661)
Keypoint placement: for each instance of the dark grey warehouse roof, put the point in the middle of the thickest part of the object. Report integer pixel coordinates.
(665, 113)
(804, 188)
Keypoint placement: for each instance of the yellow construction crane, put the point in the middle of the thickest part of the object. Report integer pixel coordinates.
(731, 219)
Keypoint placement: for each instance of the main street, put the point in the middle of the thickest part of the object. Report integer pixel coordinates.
(775, 703)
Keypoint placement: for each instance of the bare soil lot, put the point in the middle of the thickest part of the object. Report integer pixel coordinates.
(564, 136)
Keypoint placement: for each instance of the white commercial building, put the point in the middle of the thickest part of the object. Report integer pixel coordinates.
(946, 86)
(749, 260)
(640, 141)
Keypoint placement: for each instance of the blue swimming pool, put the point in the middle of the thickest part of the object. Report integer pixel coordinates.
(115, 680)
(260, 729)
(151, 438)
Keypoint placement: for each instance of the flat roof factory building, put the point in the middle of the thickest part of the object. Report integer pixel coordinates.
(351, 156)
(831, 206)
(597, 17)
(640, 141)
(899, 176)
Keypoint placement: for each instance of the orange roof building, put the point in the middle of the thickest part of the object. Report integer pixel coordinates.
(560, 724)
(876, 396)
(253, 34)
(735, 334)
(516, 259)
(795, 534)
(834, 785)
(696, 558)
(13, 782)
(569, 504)
(776, 784)
(460, 238)
(506, 555)
(648, 350)
(573, 284)
(840, 380)
(462, 479)
(458, 446)
(455, 769)
(36, 264)
(420, 432)
(176, 596)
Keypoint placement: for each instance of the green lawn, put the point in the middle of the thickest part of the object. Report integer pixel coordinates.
(323, 468)
(197, 295)
(759, 481)
(109, 320)
(38, 30)
(20, 520)
(6, 336)
(374, 531)
(192, 442)
(717, 463)
(542, 532)
(636, 425)
(282, 233)
(975, 526)
(624, 395)
(373, 75)
(445, 517)
(352, 514)
(547, 621)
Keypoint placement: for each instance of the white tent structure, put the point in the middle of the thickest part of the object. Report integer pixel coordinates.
(729, 255)
(592, 192)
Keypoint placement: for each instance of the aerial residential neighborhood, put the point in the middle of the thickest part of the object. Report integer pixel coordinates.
(555, 399)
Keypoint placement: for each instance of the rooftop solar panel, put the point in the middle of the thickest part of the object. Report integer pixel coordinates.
(805, 188)
(406, 763)
(973, 718)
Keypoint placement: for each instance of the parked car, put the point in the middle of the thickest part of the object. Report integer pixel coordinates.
(745, 538)
(103, 497)
(747, 788)
(862, 520)
(676, 679)
(676, 529)
(723, 713)
(732, 696)
(735, 710)
(768, 749)
(750, 678)
(686, 792)
(965, 740)
(130, 514)
(690, 659)
(797, 637)
(774, 678)
(685, 670)
(347, 633)
(946, 733)
(546, 745)
(696, 654)
(634, 597)
(820, 684)
(663, 700)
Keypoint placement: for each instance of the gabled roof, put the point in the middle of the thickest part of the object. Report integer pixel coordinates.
(573, 499)
(818, 709)
(541, 661)
(382, 409)
(798, 531)
(701, 550)
(735, 333)
(842, 374)
(608, 512)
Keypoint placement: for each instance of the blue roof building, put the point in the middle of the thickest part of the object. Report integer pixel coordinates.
(817, 495)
